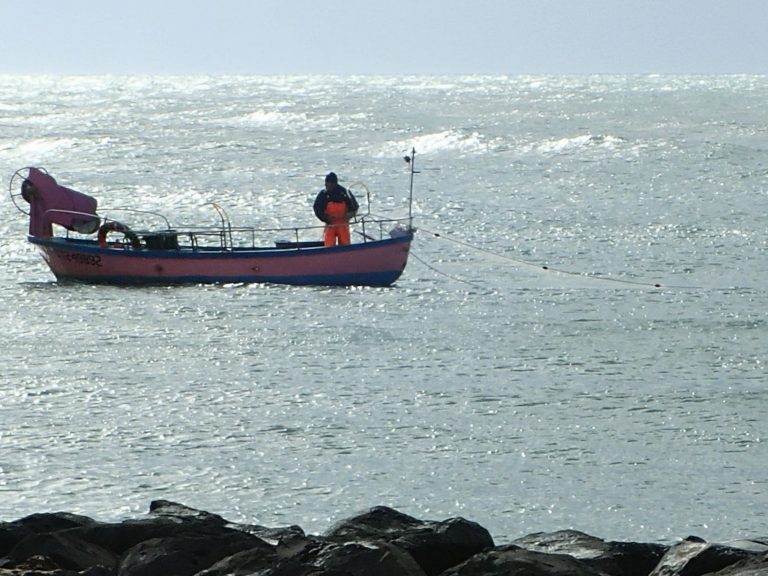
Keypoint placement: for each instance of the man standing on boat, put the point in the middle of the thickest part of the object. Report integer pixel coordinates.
(335, 205)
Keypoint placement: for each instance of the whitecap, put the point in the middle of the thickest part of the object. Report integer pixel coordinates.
(563, 145)
(445, 141)
(274, 118)
(36, 150)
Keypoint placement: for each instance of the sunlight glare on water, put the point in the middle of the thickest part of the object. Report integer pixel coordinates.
(526, 372)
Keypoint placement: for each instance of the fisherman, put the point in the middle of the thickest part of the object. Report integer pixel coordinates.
(336, 206)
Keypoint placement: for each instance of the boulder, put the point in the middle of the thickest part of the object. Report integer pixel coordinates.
(65, 549)
(251, 561)
(10, 536)
(120, 537)
(52, 522)
(758, 545)
(434, 545)
(753, 566)
(377, 523)
(184, 555)
(176, 540)
(512, 560)
(612, 558)
(37, 565)
(271, 535)
(11, 533)
(346, 559)
(201, 521)
(694, 557)
(181, 512)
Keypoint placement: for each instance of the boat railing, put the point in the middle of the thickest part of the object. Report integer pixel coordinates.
(84, 226)
(381, 225)
(227, 242)
(129, 211)
(225, 236)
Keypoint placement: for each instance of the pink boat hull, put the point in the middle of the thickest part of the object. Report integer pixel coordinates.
(374, 263)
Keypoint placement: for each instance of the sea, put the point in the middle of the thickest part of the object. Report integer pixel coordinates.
(579, 340)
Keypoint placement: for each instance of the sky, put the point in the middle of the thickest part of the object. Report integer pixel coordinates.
(387, 37)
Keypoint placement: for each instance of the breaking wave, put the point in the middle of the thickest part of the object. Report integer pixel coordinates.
(445, 141)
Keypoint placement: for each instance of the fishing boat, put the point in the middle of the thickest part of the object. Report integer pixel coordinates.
(82, 244)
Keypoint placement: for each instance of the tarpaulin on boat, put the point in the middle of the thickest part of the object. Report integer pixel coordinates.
(54, 204)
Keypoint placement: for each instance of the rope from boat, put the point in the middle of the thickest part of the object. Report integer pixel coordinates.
(547, 268)
(456, 278)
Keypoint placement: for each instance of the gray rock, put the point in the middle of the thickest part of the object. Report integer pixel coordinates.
(512, 560)
(694, 557)
(613, 558)
(174, 510)
(254, 560)
(347, 559)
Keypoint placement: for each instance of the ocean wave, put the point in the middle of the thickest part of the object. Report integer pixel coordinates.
(445, 141)
(266, 118)
(274, 118)
(563, 145)
(38, 149)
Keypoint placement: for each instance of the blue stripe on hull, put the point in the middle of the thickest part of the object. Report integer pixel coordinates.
(377, 279)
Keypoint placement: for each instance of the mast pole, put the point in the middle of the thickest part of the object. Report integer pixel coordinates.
(412, 161)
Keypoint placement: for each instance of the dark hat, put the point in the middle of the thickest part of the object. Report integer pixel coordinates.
(331, 178)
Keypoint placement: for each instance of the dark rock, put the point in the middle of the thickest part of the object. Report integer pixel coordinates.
(755, 566)
(378, 523)
(441, 545)
(300, 555)
(758, 545)
(97, 571)
(435, 546)
(353, 558)
(296, 545)
(11, 533)
(41, 566)
(10, 536)
(272, 535)
(195, 520)
(254, 560)
(53, 522)
(183, 555)
(167, 520)
(176, 540)
(694, 557)
(65, 549)
(613, 558)
(512, 560)
(120, 537)
(168, 509)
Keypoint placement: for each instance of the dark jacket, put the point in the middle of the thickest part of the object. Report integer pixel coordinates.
(336, 194)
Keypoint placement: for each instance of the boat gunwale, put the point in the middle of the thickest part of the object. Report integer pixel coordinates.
(197, 252)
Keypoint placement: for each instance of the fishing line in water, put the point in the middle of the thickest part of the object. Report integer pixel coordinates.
(452, 277)
(546, 268)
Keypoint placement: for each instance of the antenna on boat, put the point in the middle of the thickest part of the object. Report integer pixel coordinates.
(411, 161)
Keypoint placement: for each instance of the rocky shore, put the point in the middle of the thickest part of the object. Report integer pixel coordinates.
(175, 540)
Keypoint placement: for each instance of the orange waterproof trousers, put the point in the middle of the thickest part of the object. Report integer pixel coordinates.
(337, 227)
